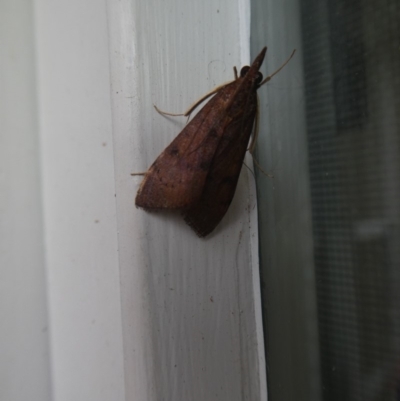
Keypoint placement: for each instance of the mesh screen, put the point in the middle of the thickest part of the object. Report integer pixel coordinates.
(352, 78)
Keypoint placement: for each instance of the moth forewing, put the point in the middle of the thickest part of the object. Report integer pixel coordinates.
(176, 179)
(223, 176)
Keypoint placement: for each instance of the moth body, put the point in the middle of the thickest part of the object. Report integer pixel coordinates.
(198, 172)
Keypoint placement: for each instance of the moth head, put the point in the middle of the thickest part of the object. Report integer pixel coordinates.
(259, 76)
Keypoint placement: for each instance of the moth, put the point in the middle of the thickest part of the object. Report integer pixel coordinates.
(198, 172)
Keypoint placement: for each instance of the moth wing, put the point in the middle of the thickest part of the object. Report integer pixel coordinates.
(223, 176)
(177, 177)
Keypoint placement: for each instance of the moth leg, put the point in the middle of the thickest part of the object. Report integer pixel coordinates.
(251, 171)
(203, 98)
(261, 169)
(256, 128)
(235, 72)
(133, 174)
(189, 111)
(254, 139)
(275, 72)
(164, 113)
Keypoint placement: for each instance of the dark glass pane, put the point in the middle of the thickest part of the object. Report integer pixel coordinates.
(352, 80)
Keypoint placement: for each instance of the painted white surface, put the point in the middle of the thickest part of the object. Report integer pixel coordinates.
(79, 200)
(24, 356)
(138, 307)
(199, 336)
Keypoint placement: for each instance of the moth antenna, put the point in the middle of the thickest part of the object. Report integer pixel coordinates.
(235, 73)
(138, 174)
(274, 73)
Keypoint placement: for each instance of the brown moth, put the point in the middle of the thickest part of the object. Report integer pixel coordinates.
(198, 172)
